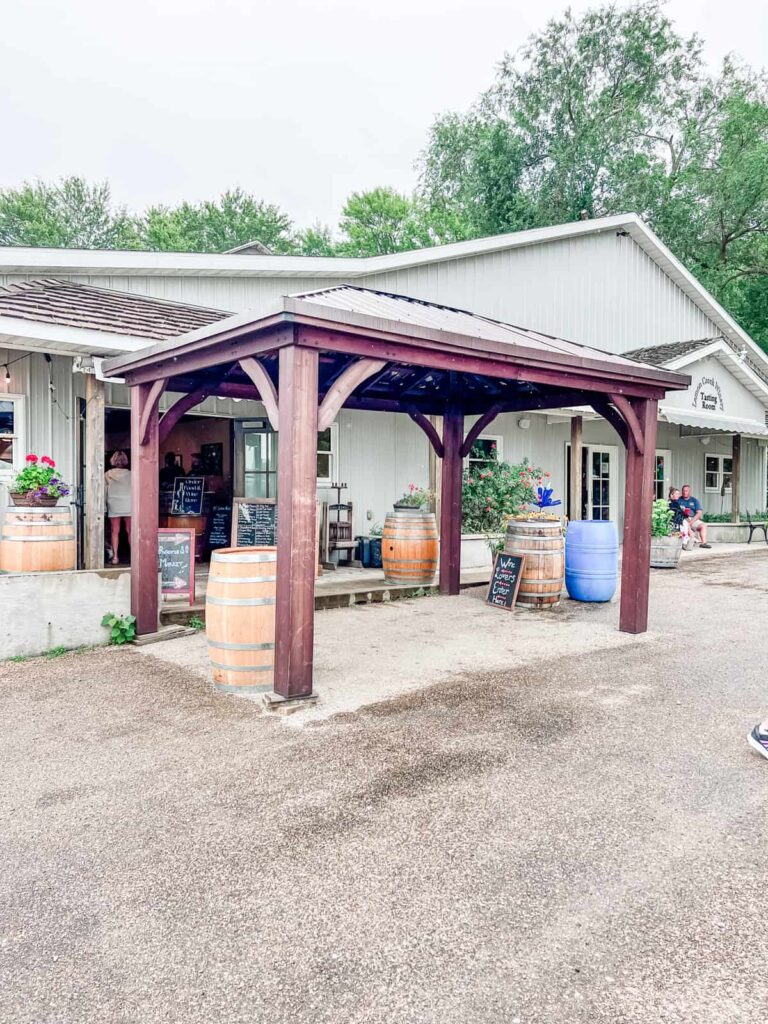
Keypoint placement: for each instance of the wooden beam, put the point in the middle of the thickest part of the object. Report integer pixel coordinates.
(464, 360)
(608, 413)
(144, 508)
(575, 495)
(296, 537)
(477, 428)
(628, 414)
(265, 387)
(428, 427)
(94, 473)
(342, 388)
(182, 406)
(736, 478)
(635, 562)
(450, 502)
(149, 408)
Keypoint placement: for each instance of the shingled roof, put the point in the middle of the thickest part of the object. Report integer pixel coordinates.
(660, 355)
(53, 301)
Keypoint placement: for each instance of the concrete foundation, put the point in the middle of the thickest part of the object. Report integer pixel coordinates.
(40, 611)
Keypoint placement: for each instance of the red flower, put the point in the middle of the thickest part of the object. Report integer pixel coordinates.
(31, 458)
(547, 474)
(47, 461)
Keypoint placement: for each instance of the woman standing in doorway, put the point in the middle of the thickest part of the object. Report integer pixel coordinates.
(118, 485)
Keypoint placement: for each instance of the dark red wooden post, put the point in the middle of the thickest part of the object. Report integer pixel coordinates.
(450, 502)
(635, 567)
(296, 512)
(144, 511)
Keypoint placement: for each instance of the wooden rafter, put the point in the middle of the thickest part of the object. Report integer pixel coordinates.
(182, 406)
(428, 427)
(265, 387)
(154, 394)
(628, 414)
(339, 392)
(477, 428)
(602, 408)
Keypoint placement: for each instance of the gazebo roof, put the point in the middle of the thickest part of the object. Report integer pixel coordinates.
(432, 352)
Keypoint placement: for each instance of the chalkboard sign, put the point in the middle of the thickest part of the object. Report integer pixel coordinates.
(219, 526)
(176, 550)
(254, 523)
(505, 580)
(187, 496)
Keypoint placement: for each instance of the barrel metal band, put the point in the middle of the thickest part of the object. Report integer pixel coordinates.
(37, 540)
(244, 602)
(245, 689)
(243, 668)
(270, 557)
(225, 645)
(215, 578)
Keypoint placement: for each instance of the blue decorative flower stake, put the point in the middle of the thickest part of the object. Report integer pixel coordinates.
(544, 497)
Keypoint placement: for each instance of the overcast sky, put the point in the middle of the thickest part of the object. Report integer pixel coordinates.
(300, 102)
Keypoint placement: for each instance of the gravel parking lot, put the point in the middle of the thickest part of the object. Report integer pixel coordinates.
(570, 832)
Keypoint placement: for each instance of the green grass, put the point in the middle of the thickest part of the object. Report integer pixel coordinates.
(18, 658)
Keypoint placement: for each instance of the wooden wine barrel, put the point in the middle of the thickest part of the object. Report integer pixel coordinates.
(240, 619)
(38, 539)
(542, 544)
(409, 547)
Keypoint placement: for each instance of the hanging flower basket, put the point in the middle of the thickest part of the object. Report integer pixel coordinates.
(32, 498)
(38, 484)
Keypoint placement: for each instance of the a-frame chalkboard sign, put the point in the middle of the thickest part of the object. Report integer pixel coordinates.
(505, 580)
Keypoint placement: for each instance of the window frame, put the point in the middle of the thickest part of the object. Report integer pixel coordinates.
(497, 439)
(19, 436)
(333, 452)
(721, 472)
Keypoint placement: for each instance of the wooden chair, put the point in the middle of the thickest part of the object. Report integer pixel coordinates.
(756, 526)
(337, 533)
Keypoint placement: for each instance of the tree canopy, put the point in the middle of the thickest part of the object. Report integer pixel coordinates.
(610, 111)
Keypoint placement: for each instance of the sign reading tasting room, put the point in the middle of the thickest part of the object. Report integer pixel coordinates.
(176, 553)
(187, 496)
(505, 580)
(254, 523)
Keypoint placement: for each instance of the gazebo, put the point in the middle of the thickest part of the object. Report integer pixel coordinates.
(365, 349)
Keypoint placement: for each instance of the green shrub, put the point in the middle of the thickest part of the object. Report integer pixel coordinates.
(493, 491)
(122, 628)
(195, 622)
(661, 518)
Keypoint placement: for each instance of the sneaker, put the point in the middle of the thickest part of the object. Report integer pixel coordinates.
(758, 739)
(705, 545)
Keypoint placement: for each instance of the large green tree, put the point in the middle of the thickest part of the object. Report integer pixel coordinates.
(233, 219)
(383, 221)
(608, 112)
(70, 213)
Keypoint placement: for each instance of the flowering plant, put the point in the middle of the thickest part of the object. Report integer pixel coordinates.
(415, 497)
(39, 479)
(493, 491)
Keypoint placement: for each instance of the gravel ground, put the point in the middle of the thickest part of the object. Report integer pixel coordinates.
(577, 838)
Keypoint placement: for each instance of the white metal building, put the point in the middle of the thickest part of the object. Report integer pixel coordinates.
(607, 283)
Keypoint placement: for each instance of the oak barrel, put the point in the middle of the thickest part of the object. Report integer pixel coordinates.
(409, 546)
(240, 619)
(541, 542)
(196, 523)
(38, 539)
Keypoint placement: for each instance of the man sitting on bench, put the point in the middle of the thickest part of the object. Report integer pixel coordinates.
(694, 514)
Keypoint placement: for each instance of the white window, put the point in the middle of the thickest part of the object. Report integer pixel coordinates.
(12, 452)
(717, 474)
(327, 447)
(662, 474)
(485, 449)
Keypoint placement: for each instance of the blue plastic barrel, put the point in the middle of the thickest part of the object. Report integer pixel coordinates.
(591, 559)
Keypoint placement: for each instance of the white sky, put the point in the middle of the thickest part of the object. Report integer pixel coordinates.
(300, 102)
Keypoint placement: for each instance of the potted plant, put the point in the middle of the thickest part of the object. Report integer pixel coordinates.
(666, 542)
(415, 499)
(38, 483)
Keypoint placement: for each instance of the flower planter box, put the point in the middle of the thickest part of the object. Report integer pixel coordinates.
(665, 552)
(475, 552)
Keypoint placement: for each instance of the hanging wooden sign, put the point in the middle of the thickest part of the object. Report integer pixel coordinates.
(505, 580)
(176, 554)
(254, 522)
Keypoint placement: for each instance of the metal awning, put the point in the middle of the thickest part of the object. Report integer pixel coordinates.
(723, 424)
